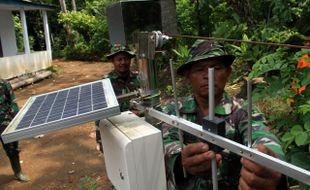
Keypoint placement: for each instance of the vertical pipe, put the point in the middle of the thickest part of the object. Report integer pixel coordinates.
(214, 174)
(249, 95)
(25, 32)
(211, 92)
(174, 89)
(211, 117)
(177, 112)
(47, 34)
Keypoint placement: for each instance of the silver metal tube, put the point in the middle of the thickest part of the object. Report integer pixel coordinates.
(249, 94)
(211, 117)
(177, 112)
(211, 92)
(125, 97)
(147, 76)
(276, 164)
(214, 174)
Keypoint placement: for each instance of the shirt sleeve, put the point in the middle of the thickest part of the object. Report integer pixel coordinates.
(11, 100)
(172, 149)
(172, 146)
(260, 134)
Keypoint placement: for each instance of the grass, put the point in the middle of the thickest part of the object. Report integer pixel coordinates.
(88, 184)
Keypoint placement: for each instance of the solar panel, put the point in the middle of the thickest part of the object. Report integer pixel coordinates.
(63, 108)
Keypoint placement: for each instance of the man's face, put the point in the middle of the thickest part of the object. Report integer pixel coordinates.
(121, 62)
(307, 41)
(198, 77)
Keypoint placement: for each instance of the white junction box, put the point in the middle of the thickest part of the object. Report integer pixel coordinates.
(133, 153)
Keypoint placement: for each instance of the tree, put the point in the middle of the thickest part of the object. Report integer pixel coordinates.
(63, 5)
(73, 5)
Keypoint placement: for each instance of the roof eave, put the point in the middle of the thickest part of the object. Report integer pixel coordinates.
(16, 5)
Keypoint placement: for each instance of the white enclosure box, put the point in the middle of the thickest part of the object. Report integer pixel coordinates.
(133, 153)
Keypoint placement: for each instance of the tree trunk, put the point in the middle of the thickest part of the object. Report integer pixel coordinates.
(63, 5)
(73, 5)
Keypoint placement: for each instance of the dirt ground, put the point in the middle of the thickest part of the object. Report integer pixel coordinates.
(61, 159)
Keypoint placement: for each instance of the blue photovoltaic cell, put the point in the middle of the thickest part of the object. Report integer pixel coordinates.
(64, 104)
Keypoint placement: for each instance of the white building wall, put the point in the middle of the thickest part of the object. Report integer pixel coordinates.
(7, 34)
(18, 65)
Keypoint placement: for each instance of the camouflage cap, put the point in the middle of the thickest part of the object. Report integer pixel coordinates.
(203, 49)
(118, 48)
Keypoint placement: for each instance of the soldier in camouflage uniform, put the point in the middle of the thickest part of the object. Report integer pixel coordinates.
(122, 79)
(8, 109)
(233, 172)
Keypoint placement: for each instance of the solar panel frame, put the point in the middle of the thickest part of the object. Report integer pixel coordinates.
(82, 114)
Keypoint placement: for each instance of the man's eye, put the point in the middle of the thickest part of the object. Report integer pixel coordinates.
(218, 68)
(199, 69)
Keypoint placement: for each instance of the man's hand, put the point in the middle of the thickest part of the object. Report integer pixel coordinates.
(138, 113)
(196, 158)
(254, 176)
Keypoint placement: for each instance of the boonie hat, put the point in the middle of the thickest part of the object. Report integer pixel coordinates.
(118, 48)
(203, 49)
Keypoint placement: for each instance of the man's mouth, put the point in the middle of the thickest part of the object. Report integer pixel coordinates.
(123, 67)
(204, 86)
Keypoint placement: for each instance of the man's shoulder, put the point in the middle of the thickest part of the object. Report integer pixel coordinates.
(114, 75)
(110, 75)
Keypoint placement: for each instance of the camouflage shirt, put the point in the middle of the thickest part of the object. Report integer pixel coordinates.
(122, 86)
(8, 105)
(236, 129)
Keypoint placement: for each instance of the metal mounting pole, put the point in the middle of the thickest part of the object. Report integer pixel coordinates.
(276, 164)
(177, 112)
(249, 94)
(211, 117)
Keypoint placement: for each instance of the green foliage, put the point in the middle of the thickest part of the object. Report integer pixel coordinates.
(18, 33)
(268, 63)
(292, 122)
(88, 184)
(227, 29)
(298, 134)
(97, 7)
(87, 35)
(185, 13)
(305, 108)
(81, 22)
(182, 53)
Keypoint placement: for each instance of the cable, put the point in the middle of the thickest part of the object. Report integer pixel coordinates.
(239, 41)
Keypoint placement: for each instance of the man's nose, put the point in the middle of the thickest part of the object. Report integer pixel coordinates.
(123, 61)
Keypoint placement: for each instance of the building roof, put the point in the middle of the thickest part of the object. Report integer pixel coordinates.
(15, 5)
